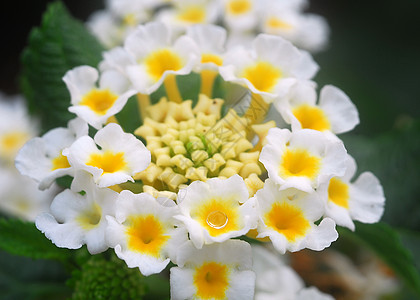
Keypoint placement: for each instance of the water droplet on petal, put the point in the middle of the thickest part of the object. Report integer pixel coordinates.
(217, 219)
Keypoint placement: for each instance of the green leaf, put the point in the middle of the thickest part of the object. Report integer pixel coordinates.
(58, 45)
(23, 238)
(25, 278)
(387, 244)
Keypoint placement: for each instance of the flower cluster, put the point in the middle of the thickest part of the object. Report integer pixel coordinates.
(19, 195)
(197, 174)
(242, 18)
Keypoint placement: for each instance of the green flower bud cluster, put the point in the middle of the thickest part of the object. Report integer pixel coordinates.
(107, 279)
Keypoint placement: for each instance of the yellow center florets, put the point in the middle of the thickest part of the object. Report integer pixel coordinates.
(189, 144)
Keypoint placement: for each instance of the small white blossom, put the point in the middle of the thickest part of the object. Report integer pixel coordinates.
(216, 210)
(217, 271)
(92, 103)
(76, 219)
(143, 232)
(121, 155)
(42, 159)
(363, 200)
(288, 218)
(303, 159)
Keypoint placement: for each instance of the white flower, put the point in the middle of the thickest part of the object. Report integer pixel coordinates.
(157, 56)
(143, 232)
(240, 15)
(335, 112)
(307, 31)
(16, 127)
(121, 155)
(76, 220)
(20, 196)
(185, 13)
(303, 159)
(41, 158)
(95, 104)
(210, 40)
(217, 271)
(270, 68)
(216, 210)
(288, 218)
(275, 280)
(362, 200)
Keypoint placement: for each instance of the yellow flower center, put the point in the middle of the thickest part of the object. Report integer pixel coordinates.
(311, 117)
(12, 141)
(130, 20)
(211, 58)
(287, 220)
(60, 162)
(193, 15)
(89, 219)
(211, 281)
(277, 23)
(263, 76)
(338, 192)
(99, 101)
(299, 162)
(160, 61)
(108, 161)
(146, 234)
(239, 7)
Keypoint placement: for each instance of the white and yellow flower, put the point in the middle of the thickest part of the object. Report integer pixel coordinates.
(20, 196)
(217, 271)
(76, 219)
(185, 13)
(304, 159)
(41, 158)
(240, 15)
(157, 56)
(210, 40)
(92, 103)
(362, 200)
(270, 68)
(16, 127)
(216, 210)
(288, 219)
(334, 112)
(143, 232)
(121, 155)
(306, 31)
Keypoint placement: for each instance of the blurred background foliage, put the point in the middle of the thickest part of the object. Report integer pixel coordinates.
(373, 56)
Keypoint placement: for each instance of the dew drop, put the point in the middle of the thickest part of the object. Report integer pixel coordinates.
(217, 219)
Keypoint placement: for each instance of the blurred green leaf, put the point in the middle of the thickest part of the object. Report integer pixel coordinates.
(58, 45)
(387, 244)
(24, 278)
(23, 238)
